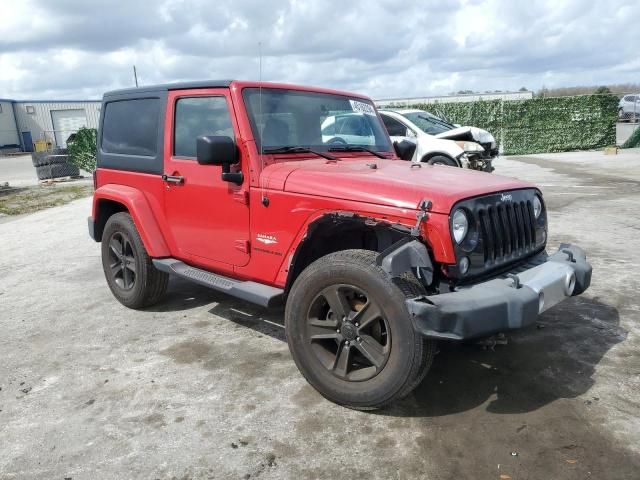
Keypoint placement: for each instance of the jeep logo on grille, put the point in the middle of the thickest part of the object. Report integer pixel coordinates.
(506, 197)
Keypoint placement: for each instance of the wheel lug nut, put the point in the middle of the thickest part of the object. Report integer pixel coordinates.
(357, 324)
(346, 343)
(358, 339)
(338, 330)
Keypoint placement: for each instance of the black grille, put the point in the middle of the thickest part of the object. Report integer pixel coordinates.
(503, 231)
(508, 231)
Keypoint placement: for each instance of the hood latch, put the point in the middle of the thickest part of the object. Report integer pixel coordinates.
(421, 216)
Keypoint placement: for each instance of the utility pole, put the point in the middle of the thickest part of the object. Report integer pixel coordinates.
(135, 75)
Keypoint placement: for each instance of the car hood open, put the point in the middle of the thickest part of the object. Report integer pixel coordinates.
(385, 182)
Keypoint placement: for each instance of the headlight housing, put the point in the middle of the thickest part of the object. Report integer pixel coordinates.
(470, 146)
(537, 207)
(459, 225)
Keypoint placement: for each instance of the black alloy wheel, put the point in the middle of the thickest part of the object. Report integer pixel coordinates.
(348, 333)
(128, 268)
(122, 261)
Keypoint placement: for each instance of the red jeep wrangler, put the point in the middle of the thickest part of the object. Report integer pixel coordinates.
(275, 192)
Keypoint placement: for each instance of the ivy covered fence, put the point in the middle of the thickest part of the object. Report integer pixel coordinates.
(538, 125)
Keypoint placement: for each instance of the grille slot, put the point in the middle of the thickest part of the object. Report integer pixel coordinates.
(508, 231)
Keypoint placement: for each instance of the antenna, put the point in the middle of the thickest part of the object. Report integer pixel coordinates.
(135, 75)
(265, 200)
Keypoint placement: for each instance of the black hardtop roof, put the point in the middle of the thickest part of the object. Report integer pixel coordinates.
(169, 86)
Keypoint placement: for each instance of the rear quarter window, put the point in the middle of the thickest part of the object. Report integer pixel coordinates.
(130, 127)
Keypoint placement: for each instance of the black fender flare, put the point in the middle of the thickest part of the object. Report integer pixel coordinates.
(407, 255)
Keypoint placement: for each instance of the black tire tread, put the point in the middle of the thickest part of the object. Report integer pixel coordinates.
(155, 281)
(411, 288)
(56, 170)
(424, 349)
(49, 157)
(444, 159)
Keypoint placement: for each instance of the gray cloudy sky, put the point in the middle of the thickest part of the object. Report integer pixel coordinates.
(384, 48)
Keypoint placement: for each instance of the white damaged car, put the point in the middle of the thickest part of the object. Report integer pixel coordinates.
(442, 143)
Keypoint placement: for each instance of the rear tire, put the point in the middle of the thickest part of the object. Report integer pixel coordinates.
(56, 170)
(129, 271)
(442, 160)
(373, 356)
(58, 155)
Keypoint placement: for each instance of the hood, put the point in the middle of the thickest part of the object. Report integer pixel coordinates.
(467, 133)
(394, 183)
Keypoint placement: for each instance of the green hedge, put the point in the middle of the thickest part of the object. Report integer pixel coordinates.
(633, 141)
(539, 125)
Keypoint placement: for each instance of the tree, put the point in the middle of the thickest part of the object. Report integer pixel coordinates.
(523, 89)
(82, 149)
(602, 91)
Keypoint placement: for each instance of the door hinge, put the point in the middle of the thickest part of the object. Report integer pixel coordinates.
(241, 196)
(243, 245)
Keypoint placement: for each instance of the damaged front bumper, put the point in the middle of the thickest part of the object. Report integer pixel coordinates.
(504, 303)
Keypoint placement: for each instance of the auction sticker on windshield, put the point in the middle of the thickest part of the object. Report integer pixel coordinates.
(362, 107)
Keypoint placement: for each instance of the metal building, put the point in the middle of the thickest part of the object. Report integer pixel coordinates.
(24, 122)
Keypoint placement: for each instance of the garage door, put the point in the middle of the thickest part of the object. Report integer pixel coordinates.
(66, 122)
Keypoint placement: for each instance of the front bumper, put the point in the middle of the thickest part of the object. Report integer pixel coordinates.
(504, 303)
(92, 228)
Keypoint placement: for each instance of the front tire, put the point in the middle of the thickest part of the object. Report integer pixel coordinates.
(129, 271)
(442, 160)
(350, 333)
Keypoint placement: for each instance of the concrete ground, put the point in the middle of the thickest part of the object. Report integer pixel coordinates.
(18, 171)
(202, 386)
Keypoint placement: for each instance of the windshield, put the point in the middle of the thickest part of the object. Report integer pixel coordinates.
(318, 121)
(428, 123)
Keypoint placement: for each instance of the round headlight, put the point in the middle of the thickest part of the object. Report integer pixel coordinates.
(537, 206)
(460, 226)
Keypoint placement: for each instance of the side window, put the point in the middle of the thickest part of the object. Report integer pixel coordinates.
(394, 127)
(130, 127)
(197, 116)
(352, 126)
(329, 126)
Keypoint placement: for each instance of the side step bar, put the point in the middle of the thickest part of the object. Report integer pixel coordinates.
(253, 292)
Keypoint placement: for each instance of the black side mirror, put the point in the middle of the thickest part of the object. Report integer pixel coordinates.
(405, 149)
(219, 151)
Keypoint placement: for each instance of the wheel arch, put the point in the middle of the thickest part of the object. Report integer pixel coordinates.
(428, 156)
(334, 232)
(111, 199)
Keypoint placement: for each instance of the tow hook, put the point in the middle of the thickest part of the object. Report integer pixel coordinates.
(570, 255)
(516, 280)
(491, 342)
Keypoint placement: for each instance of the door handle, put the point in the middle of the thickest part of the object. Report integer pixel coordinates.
(177, 179)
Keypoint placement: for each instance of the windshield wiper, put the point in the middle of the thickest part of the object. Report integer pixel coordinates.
(292, 149)
(356, 148)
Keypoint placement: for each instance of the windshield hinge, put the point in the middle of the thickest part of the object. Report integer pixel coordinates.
(421, 216)
(243, 245)
(241, 196)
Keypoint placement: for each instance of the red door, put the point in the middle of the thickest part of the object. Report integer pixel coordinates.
(208, 217)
